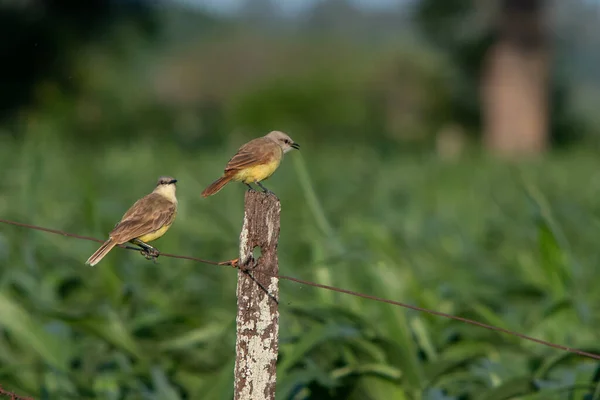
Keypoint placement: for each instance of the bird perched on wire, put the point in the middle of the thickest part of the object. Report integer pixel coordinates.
(147, 220)
(254, 162)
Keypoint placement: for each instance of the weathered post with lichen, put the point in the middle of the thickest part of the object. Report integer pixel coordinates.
(257, 293)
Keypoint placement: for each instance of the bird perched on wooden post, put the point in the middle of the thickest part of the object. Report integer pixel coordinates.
(254, 162)
(147, 220)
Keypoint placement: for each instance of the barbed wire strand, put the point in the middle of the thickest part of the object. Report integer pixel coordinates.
(234, 263)
(93, 239)
(13, 396)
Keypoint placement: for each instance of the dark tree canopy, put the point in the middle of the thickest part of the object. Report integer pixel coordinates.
(450, 25)
(39, 36)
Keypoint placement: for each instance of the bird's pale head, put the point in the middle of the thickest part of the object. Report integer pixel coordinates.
(166, 186)
(166, 180)
(283, 140)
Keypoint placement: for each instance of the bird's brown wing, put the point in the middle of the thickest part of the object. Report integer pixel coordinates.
(254, 152)
(147, 215)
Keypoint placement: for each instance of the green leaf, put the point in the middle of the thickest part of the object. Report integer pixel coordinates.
(561, 359)
(378, 387)
(511, 389)
(110, 328)
(444, 366)
(293, 353)
(193, 338)
(402, 349)
(380, 370)
(552, 260)
(53, 350)
(164, 389)
(219, 386)
(293, 383)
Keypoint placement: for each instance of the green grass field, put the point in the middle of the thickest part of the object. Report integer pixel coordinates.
(515, 246)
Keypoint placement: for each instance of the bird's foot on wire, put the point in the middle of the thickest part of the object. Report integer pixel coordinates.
(150, 253)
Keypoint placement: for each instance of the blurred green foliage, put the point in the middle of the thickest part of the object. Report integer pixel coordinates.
(382, 95)
(198, 77)
(511, 246)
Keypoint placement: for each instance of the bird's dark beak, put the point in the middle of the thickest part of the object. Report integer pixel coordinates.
(296, 146)
(173, 181)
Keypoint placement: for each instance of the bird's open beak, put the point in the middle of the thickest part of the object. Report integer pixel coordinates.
(173, 181)
(296, 146)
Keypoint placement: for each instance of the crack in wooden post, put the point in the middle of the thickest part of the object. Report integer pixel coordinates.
(257, 339)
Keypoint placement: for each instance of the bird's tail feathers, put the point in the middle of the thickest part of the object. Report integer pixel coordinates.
(216, 186)
(101, 252)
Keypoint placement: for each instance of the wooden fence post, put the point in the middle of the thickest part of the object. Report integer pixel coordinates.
(257, 339)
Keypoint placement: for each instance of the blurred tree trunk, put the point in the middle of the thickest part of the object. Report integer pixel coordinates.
(515, 80)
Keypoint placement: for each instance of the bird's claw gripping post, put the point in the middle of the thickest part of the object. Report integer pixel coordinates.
(265, 190)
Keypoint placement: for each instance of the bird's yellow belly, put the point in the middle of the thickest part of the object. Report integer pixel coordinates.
(257, 173)
(154, 235)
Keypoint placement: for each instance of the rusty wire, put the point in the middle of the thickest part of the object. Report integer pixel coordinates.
(234, 263)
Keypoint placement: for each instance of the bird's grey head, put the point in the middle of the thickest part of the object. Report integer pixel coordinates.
(166, 180)
(283, 140)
